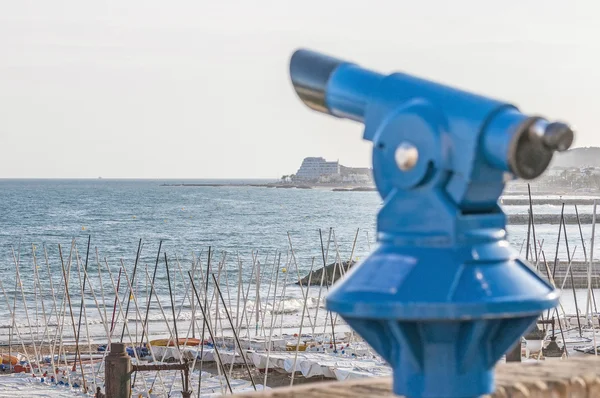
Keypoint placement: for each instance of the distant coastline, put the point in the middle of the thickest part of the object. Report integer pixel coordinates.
(333, 187)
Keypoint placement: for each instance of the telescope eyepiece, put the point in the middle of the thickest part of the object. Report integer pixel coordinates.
(558, 136)
(534, 145)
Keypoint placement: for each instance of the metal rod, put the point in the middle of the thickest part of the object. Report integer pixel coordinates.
(145, 326)
(562, 219)
(112, 322)
(532, 221)
(72, 317)
(272, 319)
(209, 332)
(150, 299)
(528, 236)
(163, 366)
(122, 311)
(572, 279)
(591, 262)
(586, 258)
(82, 303)
(551, 279)
(327, 288)
(87, 328)
(145, 321)
(137, 257)
(302, 322)
(304, 294)
(235, 335)
(173, 311)
(205, 323)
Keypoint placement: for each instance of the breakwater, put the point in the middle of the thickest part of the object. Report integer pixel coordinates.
(523, 219)
(579, 271)
(516, 201)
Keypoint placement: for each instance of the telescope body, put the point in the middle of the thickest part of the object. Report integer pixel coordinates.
(444, 296)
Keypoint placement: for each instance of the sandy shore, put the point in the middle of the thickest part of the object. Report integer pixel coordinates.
(274, 379)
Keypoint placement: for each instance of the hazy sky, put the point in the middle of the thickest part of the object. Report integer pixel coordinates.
(199, 89)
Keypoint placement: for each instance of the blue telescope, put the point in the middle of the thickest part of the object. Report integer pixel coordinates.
(443, 297)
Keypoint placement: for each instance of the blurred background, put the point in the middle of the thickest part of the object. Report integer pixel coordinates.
(200, 89)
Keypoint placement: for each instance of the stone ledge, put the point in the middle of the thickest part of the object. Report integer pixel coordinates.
(572, 378)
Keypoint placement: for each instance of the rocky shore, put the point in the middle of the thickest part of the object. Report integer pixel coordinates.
(331, 271)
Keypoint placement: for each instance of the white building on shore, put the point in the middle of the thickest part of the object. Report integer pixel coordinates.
(315, 168)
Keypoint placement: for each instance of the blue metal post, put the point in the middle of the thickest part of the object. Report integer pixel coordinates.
(443, 297)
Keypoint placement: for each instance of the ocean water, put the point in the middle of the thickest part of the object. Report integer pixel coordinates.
(236, 222)
(118, 213)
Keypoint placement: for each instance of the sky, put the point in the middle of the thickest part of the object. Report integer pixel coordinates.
(200, 89)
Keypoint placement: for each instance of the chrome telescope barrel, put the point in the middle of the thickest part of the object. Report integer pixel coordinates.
(332, 86)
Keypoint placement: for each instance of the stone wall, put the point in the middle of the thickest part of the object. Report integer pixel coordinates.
(572, 378)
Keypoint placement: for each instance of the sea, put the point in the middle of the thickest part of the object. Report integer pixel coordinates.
(239, 224)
